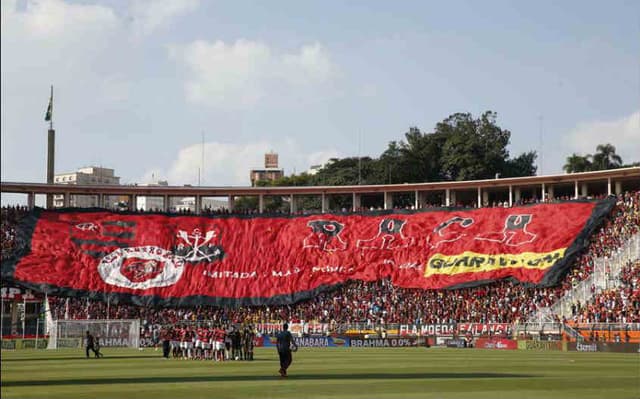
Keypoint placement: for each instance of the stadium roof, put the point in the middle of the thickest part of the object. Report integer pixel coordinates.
(43, 188)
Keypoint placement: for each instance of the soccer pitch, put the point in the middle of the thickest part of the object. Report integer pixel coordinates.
(324, 373)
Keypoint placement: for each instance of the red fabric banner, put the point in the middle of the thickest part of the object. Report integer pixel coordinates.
(226, 260)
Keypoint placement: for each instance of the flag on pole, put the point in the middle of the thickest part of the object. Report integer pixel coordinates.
(49, 113)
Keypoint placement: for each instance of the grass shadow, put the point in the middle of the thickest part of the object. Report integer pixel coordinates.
(108, 358)
(66, 358)
(240, 378)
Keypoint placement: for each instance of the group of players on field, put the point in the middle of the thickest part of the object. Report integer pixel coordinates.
(212, 343)
(208, 342)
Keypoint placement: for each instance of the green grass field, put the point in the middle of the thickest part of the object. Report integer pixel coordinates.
(324, 373)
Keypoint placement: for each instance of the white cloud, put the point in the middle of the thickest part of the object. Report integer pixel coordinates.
(623, 133)
(229, 163)
(247, 72)
(90, 54)
(149, 15)
(50, 41)
(76, 47)
(54, 20)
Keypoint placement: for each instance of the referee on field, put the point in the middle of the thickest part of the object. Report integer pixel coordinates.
(90, 344)
(285, 344)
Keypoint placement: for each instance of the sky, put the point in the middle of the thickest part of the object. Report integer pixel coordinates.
(138, 84)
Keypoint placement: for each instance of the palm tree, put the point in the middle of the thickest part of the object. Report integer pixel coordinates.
(578, 163)
(606, 157)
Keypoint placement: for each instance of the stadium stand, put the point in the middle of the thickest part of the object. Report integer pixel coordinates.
(11, 216)
(620, 305)
(375, 303)
(380, 303)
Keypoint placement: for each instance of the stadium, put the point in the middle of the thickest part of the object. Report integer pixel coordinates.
(442, 266)
(351, 319)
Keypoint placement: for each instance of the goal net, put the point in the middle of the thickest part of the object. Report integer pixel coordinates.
(112, 333)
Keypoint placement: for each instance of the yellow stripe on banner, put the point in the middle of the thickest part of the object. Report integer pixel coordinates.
(472, 262)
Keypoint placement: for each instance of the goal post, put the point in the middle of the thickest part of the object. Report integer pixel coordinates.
(112, 333)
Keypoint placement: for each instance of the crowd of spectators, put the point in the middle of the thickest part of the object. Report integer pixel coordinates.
(381, 302)
(622, 223)
(10, 216)
(620, 305)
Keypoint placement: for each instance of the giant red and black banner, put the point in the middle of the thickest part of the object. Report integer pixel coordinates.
(178, 260)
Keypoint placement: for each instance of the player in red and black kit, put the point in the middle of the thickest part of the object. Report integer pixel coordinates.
(182, 336)
(199, 343)
(175, 341)
(219, 336)
(205, 338)
(190, 339)
(212, 342)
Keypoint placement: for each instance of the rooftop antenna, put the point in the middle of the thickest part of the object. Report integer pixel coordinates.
(541, 146)
(201, 161)
(359, 157)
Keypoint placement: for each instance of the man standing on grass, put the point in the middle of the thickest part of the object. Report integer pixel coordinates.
(285, 345)
(248, 342)
(90, 344)
(165, 336)
(221, 337)
(97, 347)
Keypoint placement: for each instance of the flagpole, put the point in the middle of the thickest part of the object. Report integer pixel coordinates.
(51, 119)
(51, 146)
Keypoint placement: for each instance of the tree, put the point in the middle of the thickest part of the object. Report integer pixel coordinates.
(421, 155)
(391, 164)
(606, 157)
(522, 165)
(578, 163)
(349, 171)
(245, 203)
(475, 148)
(460, 148)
